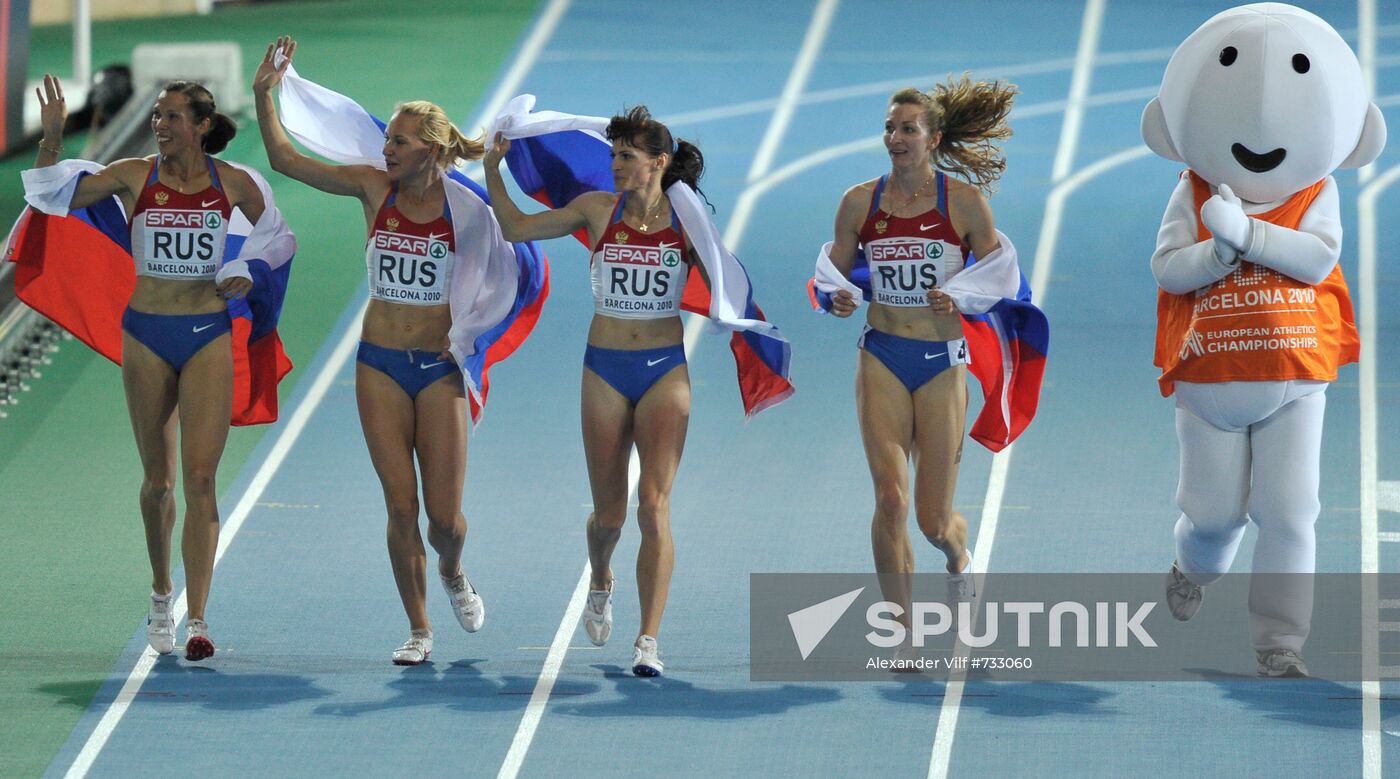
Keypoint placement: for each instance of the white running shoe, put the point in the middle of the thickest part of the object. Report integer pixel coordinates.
(646, 659)
(1281, 663)
(198, 645)
(416, 649)
(597, 616)
(466, 604)
(160, 625)
(1183, 596)
(962, 588)
(905, 658)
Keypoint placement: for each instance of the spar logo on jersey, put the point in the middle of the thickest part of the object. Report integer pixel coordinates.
(181, 236)
(638, 255)
(410, 244)
(899, 249)
(180, 219)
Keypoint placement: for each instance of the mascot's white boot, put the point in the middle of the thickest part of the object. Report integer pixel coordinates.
(1262, 102)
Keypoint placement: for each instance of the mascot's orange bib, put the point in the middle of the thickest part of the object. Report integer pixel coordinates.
(1256, 324)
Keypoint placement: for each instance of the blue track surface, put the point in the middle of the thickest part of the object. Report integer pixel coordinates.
(306, 613)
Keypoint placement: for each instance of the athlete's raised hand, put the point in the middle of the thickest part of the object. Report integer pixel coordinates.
(53, 111)
(274, 64)
(497, 151)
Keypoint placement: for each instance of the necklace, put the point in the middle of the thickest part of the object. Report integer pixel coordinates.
(655, 212)
(923, 188)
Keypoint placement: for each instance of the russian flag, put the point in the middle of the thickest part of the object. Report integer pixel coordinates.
(499, 289)
(1008, 337)
(555, 157)
(77, 270)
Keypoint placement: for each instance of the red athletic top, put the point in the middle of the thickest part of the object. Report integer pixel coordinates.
(639, 275)
(179, 236)
(409, 262)
(908, 256)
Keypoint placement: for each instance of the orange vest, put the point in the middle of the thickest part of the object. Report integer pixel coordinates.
(1256, 324)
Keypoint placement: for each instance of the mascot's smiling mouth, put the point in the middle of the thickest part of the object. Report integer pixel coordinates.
(1257, 163)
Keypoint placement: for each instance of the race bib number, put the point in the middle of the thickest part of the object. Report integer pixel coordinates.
(903, 270)
(182, 244)
(636, 279)
(408, 269)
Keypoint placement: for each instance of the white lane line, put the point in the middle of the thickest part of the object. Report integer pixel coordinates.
(1090, 30)
(1079, 83)
(695, 326)
(792, 90)
(295, 425)
(1367, 313)
(1366, 53)
(1371, 671)
(1387, 494)
(874, 142)
(887, 86)
(285, 440)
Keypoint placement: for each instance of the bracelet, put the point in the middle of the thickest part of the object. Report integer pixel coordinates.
(51, 149)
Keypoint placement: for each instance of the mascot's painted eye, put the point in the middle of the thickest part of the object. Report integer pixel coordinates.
(1300, 63)
(1228, 55)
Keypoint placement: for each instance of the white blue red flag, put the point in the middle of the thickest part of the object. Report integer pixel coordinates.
(75, 267)
(498, 288)
(1008, 338)
(555, 157)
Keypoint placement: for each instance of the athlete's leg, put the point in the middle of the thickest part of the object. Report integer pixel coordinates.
(1284, 504)
(151, 397)
(607, 446)
(386, 416)
(1212, 496)
(940, 411)
(886, 412)
(660, 425)
(441, 442)
(206, 405)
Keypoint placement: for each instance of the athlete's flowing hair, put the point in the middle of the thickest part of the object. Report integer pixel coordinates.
(636, 128)
(435, 127)
(972, 116)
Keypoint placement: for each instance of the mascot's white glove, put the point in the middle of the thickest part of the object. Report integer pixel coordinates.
(1224, 216)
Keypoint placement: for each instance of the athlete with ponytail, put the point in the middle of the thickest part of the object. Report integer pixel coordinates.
(916, 226)
(636, 388)
(411, 392)
(176, 344)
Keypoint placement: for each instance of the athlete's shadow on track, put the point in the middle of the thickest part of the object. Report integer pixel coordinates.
(175, 682)
(1007, 699)
(458, 685)
(1315, 702)
(670, 697)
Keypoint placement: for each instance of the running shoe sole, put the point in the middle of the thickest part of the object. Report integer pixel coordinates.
(199, 648)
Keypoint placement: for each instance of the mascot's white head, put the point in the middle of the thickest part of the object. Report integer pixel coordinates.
(1267, 98)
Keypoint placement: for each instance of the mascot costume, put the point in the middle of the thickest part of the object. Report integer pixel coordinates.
(1262, 103)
